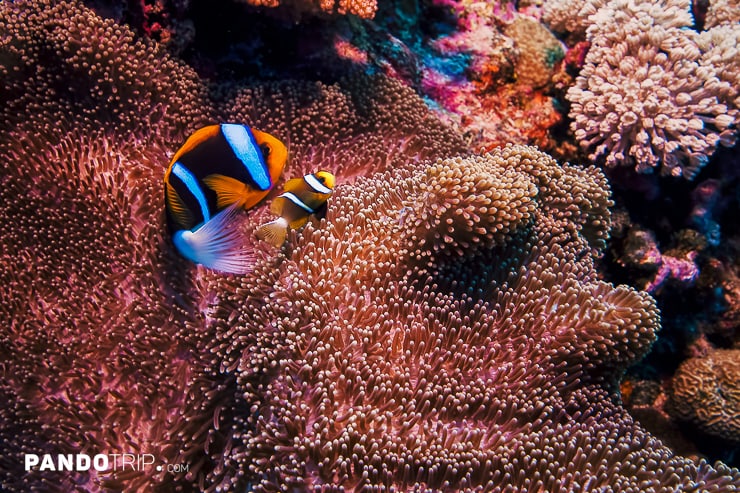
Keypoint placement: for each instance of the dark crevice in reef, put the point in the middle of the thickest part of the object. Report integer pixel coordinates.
(478, 275)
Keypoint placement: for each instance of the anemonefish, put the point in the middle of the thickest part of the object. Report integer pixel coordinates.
(219, 170)
(302, 198)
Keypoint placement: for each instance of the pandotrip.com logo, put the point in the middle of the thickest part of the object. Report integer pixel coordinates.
(99, 463)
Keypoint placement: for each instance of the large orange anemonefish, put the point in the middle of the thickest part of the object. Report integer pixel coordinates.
(219, 170)
(302, 198)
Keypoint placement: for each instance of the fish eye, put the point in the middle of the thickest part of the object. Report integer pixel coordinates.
(265, 149)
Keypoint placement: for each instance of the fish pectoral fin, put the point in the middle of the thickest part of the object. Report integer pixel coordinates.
(177, 209)
(228, 190)
(218, 244)
(275, 232)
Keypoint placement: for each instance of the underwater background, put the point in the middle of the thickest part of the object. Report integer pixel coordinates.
(526, 279)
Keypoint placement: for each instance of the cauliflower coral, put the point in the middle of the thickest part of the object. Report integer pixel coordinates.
(653, 93)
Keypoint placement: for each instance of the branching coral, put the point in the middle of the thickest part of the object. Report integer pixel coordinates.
(651, 93)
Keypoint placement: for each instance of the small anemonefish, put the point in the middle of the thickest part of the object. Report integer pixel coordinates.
(302, 198)
(218, 170)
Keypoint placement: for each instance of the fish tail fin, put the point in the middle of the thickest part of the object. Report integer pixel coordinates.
(274, 232)
(217, 244)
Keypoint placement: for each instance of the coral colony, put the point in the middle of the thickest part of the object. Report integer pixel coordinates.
(525, 279)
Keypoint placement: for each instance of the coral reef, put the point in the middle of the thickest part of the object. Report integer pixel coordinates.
(477, 67)
(722, 12)
(443, 327)
(647, 96)
(361, 8)
(685, 252)
(380, 353)
(539, 50)
(706, 391)
(570, 16)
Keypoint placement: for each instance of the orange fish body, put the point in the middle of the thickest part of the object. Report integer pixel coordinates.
(301, 198)
(218, 170)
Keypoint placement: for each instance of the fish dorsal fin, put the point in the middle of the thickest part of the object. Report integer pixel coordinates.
(228, 190)
(274, 232)
(178, 209)
(217, 244)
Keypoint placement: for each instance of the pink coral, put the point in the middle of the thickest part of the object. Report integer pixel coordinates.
(442, 328)
(641, 252)
(648, 96)
(721, 12)
(684, 270)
